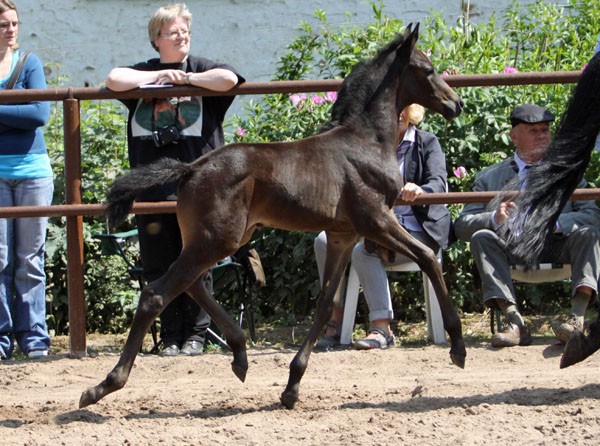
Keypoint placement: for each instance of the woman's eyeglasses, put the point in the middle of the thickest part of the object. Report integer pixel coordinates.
(5, 26)
(172, 35)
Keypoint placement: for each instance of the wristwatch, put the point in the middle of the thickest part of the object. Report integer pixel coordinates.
(187, 79)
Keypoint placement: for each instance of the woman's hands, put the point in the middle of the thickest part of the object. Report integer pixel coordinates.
(410, 191)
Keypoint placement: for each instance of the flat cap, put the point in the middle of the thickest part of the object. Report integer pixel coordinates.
(530, 114)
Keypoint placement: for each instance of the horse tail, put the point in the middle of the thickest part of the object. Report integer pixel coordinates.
(124, 189)
(551, 182)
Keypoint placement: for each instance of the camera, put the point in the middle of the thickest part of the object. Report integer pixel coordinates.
(168, 134)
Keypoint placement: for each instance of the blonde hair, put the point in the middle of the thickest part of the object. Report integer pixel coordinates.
(415, 113)
(7, 5)
(166, 14)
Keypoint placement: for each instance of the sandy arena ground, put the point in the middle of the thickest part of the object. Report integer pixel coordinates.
(404, 395)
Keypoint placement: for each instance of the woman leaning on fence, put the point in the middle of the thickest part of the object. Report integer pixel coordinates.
(25, 180)
(180, 128)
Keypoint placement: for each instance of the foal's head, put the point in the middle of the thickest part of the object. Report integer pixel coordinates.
(420, 83)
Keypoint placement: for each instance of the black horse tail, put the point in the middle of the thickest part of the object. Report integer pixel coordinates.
(124, 189)
(550, 183)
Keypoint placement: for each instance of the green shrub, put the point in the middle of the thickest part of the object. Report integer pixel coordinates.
(539, 37)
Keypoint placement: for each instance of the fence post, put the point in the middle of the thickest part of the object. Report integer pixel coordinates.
(75, 289)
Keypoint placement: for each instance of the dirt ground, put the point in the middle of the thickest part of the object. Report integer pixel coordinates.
(409, 394)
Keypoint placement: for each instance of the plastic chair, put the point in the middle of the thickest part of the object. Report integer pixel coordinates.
(435, 323)
(544, 272)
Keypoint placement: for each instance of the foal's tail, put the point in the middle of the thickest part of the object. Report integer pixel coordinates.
(550, 183)
(124, 189)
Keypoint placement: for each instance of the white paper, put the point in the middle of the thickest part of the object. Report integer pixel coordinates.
(148, 86)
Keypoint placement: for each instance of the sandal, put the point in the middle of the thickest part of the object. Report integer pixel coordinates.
(328, 342)
(381, 341)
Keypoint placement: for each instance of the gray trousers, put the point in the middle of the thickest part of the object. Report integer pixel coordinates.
(580, 249)
(371, 273)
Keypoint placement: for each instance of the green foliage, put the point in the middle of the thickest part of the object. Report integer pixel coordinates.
(538, 37)
(111, 296)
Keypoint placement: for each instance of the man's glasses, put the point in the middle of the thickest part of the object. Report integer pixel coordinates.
(4, 26)
(172, 35)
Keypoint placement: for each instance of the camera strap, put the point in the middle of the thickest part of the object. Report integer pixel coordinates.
(153, 120)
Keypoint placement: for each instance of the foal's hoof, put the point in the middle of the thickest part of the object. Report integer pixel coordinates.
(239, 370)
(458, 359)
(288, 399)
(87, 398)
(574, 350)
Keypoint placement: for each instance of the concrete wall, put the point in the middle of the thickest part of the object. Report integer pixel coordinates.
(86, 38)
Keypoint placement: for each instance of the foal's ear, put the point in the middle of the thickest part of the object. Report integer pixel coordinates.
(410, 39)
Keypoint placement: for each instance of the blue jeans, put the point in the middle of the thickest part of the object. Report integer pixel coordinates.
(22, 275)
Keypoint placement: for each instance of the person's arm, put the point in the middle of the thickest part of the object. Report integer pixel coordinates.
(434, 177)
(124, 78)
(27, 116)
(217, 79)
(583, 213)
(474, 216)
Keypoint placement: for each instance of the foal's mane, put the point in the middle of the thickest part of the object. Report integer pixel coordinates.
(551, 182)
(358, 87)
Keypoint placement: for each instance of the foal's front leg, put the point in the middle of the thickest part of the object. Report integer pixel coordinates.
(339, 248)
(386, 231)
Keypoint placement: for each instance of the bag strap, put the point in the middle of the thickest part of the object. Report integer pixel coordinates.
(14, 77)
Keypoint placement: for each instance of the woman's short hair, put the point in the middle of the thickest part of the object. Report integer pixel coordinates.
(415, 113)
(7, 5)
(166, 14)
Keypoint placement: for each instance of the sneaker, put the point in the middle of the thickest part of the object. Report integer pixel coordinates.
(327, 343)
(380, 341)
(192, 348)
(511, 335)
(37, 353)
(564, 330)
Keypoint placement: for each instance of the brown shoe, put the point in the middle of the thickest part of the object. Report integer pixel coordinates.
(565, 330)
(511, 335)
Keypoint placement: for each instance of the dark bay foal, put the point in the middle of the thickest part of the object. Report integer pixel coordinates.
(343, 180)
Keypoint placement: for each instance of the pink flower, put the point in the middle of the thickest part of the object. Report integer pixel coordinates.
(460, 172)
(429, 53)
(509, 70)
(331, 96)
(297, 98)
(317, 99)
(585, 66)
(241, 131)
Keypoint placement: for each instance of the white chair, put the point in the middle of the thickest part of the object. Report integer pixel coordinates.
(544, 272)
(435, 324)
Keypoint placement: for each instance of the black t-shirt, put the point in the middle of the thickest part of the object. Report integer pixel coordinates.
(198, 119)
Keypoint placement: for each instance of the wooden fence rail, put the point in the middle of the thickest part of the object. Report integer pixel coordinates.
(74, 210)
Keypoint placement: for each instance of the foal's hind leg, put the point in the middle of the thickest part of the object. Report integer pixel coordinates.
(393, 236)
(155, 296)
(339, 248)
(232, 332)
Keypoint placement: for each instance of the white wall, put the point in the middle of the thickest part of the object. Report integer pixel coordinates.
(86, 38)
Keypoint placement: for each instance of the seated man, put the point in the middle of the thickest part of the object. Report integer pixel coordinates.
(423, 166)
(576, 239)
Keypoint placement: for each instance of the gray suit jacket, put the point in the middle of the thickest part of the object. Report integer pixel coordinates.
(476, 216)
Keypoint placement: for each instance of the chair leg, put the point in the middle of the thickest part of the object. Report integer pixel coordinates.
(350, 304)
(435, 322)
